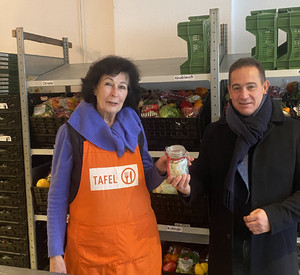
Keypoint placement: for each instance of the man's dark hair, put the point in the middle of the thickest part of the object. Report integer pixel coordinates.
(248, 62)
(112, 65)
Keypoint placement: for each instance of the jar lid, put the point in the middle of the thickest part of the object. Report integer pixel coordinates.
(176, 151)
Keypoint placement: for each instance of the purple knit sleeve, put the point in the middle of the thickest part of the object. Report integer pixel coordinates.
(58, 195)
(152, 176)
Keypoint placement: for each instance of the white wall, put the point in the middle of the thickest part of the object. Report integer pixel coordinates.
(139, 29)
(57, 19)
(148, 29)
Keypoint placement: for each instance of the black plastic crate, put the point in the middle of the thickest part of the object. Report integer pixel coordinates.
(46, 122)
(8, 57)
(10, 119)
(162, 132)
(9, 77)
(13, 229)
(13, 213)
(171, 210)
(40, 195)
(43, 130)
(8, 135)
(12, 182)
(9, 102)
(11, 167)
(13, 198)
(10, 150)
(42, 141)
(9, 86)
(42, 245)
(14, 259)
(15, 245)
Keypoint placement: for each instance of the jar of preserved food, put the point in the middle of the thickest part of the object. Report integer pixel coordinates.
(177, 160)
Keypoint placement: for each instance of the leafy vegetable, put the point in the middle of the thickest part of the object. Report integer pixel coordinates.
(169, 111)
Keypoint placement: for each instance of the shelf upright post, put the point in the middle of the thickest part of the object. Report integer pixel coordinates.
(65, 49)
(214, 64)
(224, 40)
(65, 46)
(26, 145)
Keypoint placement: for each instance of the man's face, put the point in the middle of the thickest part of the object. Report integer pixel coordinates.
(246, 90)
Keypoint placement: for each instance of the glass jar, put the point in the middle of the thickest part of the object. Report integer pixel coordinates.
(177, 160)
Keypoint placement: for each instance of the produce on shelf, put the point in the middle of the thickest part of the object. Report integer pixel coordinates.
(289, 97)
(165, 188)
(169, 266)
(44, 182)
(201, 268)
(172, 104)
(201, 91)
(187, 260)
(170, 111)
(57, 106)
(184, 260)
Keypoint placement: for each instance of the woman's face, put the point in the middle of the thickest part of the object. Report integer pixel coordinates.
(111, 93)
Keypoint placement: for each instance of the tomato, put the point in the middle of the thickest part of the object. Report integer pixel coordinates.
(169, 266)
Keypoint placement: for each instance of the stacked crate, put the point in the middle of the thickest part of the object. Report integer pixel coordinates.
(264, 24)
(196, 32)
(289, 22)
(14, 248)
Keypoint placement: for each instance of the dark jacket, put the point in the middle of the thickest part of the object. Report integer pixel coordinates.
(275, 186)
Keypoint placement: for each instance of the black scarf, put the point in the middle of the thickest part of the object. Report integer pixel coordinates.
(250, 130)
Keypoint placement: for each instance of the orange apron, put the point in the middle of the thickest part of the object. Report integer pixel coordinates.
(112, 228)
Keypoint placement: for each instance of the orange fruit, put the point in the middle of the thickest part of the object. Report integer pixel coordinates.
(174, 257)
(198, 103)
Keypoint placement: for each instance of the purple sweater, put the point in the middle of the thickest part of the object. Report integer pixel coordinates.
(86, 120)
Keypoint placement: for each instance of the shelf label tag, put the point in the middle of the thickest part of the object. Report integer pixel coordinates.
(173, 228)
(184, 77)
(48, 83)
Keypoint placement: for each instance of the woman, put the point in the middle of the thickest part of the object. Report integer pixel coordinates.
(102, 174)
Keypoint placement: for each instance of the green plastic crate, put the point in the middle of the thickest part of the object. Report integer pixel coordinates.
(263, 24)
(289, 22)
(197, 34)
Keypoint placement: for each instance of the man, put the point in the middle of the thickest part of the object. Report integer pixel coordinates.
(249, 167)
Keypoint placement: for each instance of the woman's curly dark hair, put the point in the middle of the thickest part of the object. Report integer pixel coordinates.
(112, 65)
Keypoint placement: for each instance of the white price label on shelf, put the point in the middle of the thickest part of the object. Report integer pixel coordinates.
(48, 83)
(184, 77)
(173, 228)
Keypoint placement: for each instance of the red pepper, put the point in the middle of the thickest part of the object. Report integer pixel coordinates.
(150, 107)
(169, 266)
(185, 104)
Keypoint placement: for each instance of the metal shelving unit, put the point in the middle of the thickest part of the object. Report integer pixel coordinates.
(157, 73)
(32, 65)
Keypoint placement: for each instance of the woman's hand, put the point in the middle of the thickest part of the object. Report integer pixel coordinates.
(57, 264)
(181, 183)
(162, 165)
